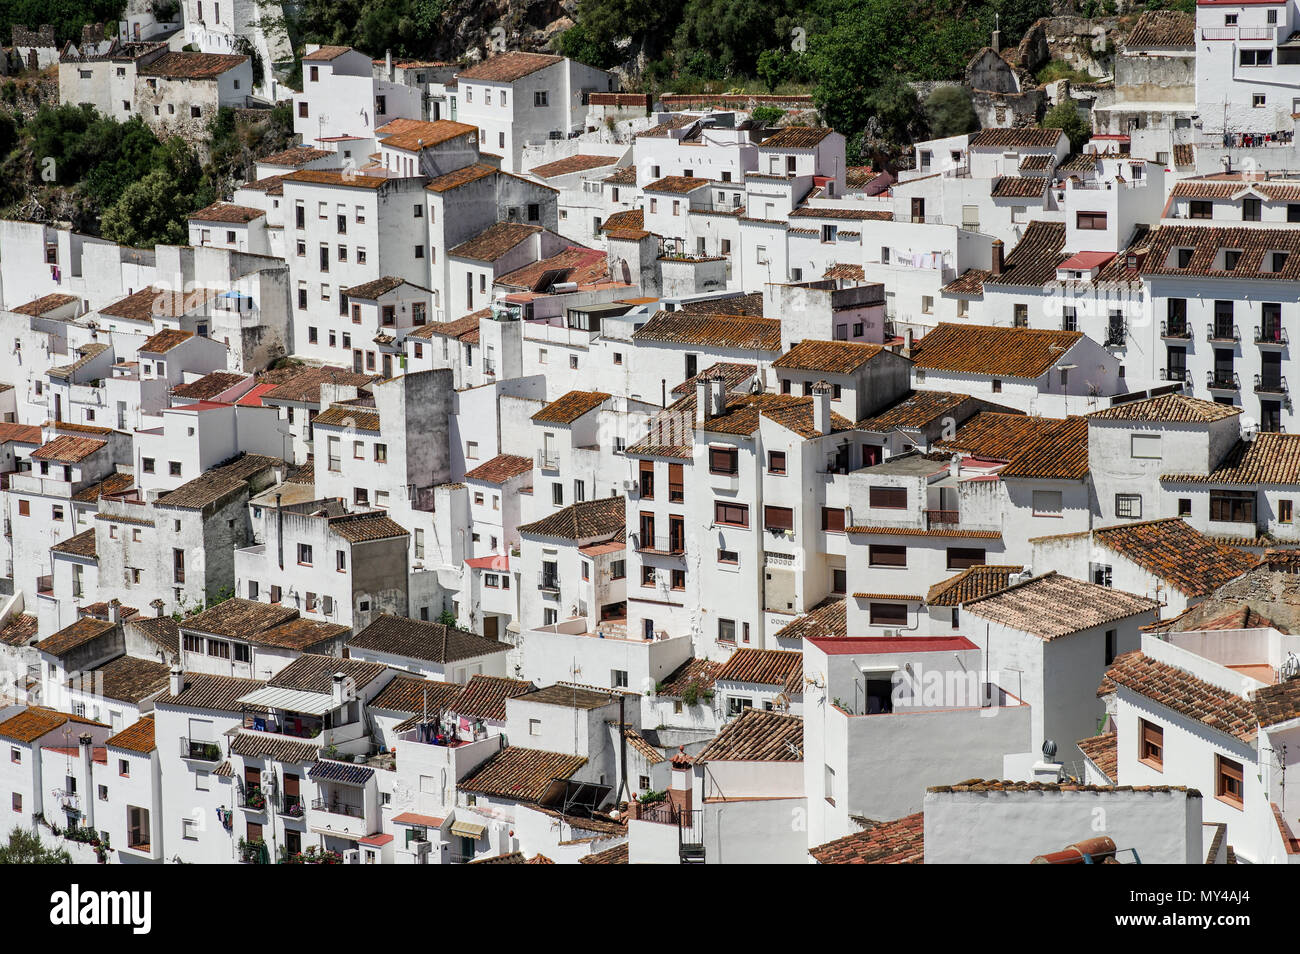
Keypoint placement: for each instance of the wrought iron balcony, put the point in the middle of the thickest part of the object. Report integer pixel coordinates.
(1222, 381)
(1222, 331)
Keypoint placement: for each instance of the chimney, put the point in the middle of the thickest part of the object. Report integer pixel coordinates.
(114, 611)
(682, 785)
(279, 530)
(821, 395)
(177, 681)
(909, 342)
(717, 394)
(388, 65)
(88, 763)
(954, 466)
(701, 400)
(338, 694)
(157, 607)
(997, 256)
(997, 41)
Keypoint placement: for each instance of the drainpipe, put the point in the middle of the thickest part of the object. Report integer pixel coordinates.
(279, 530)
(88, 763)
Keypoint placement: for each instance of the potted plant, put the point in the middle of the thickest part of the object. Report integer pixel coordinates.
(255, 799)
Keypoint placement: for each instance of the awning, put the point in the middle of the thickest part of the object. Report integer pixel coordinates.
(467, 830)
(293, 700)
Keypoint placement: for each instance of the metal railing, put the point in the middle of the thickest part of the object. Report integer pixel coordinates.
(338, 808)
(1271, 334)
(1271, 384)
(647, 543)
(1175, 328)
(200, 751)
(942, 518)
(1221, 331)
(547, 582)
(1223, 380)
(1173, 374)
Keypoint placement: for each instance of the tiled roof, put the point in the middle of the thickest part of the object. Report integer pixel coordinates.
(825, 620)
(183, 65)
(299, 634)
(508, 67)
(203, 691)
(352, 180)
(748, 305)
(82, 545)
(602, 517)
(1030, 137)
(839, 270)
(700, 673)
(208, 386)
(227, 212)
(261, 745)
(31, 723)
(1182, 692)
(501, 468)
(624, 176)
(494, 241)
(137, 737)
(296, 156)
(1012, 187)
(75, 636)
(349, 415)
(610, 856)
(128, 678)
(411, 695)
(1176, 553)
(1267, 459)
(825, 212)
(238, 617)
(216, 484)
(1256, 246)
(733, 375)
(570, 407)
(1039, 162)
(150, 303)
(796, 137)
(67, 449)
(19, 630)
(1278, 703)
(996, 351)
(757, 735)
(312, 672)
(663, 129)
(165, 340)
(1172, 408)
(1051, 605)
(582, 266)
(304, 384)
(1060, 453)
(765, 667)
(570, 695)
(162, 630)
(520, 774)
(1034, 259)
(744, 413)
(464, 328)
(416, 135)
(326, 53)
(969, 282)
(970, 584)
(1102, 752)
(460, 177)
(417, 639)
(715, 330)
(918, 409)
(20, 433)
(371, 290)
(1163, 29)
(367, 527)
(1184, 155)
(828, 357)
(641, 745)
(346, 772)
(629, 220)
(997, 435)
(679, 185)
(899, 842)
(45, 304)
(84, 355)
(579, 162)
(919, 532)
(484, 697)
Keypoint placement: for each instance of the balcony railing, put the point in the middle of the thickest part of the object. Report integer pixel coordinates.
(1271, 334)
(1173, 374)
(1219, 33)
(293, 806)
(548, 461)
(200, 751)
(548, 583)
(1116, 336)
(1175, 328)
(1221, 331)
(941, 518)
(647, 543)
(1270, 384)
(338, 808)
(253, 798)
(1222, 380)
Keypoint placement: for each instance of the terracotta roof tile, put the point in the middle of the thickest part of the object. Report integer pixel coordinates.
(970, 584)
(569, 407)
(610, 856)
(1172, 408)
(227, 212)
(411, 695)
(183, 65)
(678, 185)
(579, 162)
(757, 735)
(45, 304)
(1012, 187)
(416, 135)
(1278, 703)
(262, 745)
(900, 842)
(366, 527)
(31, 723)
(348, 415)
(352, 180)
(137, 737)
(1030, 137)
(1255, 244)
(1060, 453)
(418, 639)
(304, 384)
(314, 672)
(990, 350)
(796, 137)
(520, 774)
(67, 449)
(1267, 459)
(82, 545)
(495, 241)
(20, 433)
(1034, 260)
(72, 637)
(1176, 553)
(1163, 29)
(460, 177)
(484, 697)
(501, 468)
(749, 305)
(1051, 605)
(508, 67)
(826, 212)
(603, 517)
(239, 618)
(827, 357)
(295, 157)
(716, 330)
(1183, 693)
(208, 386)
(629, 220)
(19, 630)
(969, 282)
(219, 482)
(165, 340)
(326, 53)
(700, 673)
(733, 375)
(766, 667)
(825, 620)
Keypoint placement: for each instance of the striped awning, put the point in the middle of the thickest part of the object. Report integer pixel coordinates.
(467, 829)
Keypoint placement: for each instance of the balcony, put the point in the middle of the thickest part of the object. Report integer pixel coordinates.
(1173, 374)
(648, 543)
(548, 583)
(253, 799)
(1116, 336)
(1222, 331)
(1270, 384)
(333, 806)
(292, 806)
(1175, 328)
(1219, 33)
(1222, 380)
(45, 585)
(941, 519)
(548, 461)
(1271, 334)
(195, 751)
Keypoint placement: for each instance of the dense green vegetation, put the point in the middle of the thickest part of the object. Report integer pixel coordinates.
(25, 848)
(1065, 116)
(117, 179)
(66, 16)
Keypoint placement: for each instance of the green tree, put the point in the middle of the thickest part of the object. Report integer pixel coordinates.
(734, 33)
(66, 16)
(580, 44)
(950, 112)
(25, 848)
(1065, 116)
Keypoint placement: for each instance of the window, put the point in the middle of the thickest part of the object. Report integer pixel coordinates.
(18, 802)
(731, 515)
(776, 462)
(726, 630)
(1047, 503)
(174, 468)
(1255, 57)
(1128, 506)
(832, 519)
(886, 554)
(1151, 745)
(1228, 780)
(887, 498)
(1284, 511)
(617, 569)
(381, 453)
(731, 557)
(888, 614)
(1095, 221)
(1112, 645)
(961, 558)
(1145, 446)
(304, 554)
(724, 460)
(557, 494)
(647, 576)
(540, 97)
(778, 518)
(1232, 506)
(124, 768)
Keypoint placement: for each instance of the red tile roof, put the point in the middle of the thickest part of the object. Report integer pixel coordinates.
(1182, 692)
(900, 842)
